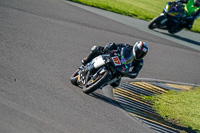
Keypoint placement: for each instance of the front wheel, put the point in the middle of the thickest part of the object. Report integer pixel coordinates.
(94, 84)
(156, 22)
(74, 77)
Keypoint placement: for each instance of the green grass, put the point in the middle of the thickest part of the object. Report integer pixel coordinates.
(142, 9)
(181, 107)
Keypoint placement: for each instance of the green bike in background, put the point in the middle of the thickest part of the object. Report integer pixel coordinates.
(177, 15)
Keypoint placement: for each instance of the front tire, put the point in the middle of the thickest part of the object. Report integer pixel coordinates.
(93, 85)
(74, 77)
(156, 22)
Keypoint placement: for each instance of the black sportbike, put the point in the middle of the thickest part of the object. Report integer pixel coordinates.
(172, 18)
(106, 70)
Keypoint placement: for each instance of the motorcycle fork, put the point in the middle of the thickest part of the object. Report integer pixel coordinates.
(164, 21)
(93, 77)
(96, 74)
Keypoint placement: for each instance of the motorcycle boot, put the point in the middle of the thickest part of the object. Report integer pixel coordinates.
(116, 83)
(95, 51)
(84, 61)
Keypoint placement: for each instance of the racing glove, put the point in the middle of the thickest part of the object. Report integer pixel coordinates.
(128, 46)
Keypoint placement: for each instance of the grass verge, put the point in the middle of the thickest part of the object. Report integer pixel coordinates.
(181, 108)
(142, 9)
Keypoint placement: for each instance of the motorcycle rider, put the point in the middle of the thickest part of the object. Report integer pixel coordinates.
(139, 50)
(192, 9)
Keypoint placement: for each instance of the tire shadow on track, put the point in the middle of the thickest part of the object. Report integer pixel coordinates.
(106, 99)
(180, 38)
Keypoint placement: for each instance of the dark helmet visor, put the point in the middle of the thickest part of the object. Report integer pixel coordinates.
(127, 54)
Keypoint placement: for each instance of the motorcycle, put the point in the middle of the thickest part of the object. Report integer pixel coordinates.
(172, 18)
(103, 70)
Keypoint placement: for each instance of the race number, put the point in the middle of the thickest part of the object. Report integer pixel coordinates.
(116, 61)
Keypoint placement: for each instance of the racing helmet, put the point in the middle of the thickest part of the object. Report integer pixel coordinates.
(196, 3)
(140, 49)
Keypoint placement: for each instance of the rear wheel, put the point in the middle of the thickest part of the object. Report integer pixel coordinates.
(174, 30)
(156, 22)
(94, 84)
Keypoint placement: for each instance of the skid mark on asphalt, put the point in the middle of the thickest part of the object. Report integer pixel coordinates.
(129, 97)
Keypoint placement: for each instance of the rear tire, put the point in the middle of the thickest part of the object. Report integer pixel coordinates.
(155, 23)
(97, 84)
(174, 30)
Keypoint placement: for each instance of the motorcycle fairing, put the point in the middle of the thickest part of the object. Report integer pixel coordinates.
(98, 61)
(116, 61)
(174, 10)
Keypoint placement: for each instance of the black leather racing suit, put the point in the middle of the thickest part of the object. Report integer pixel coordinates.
(98, 50)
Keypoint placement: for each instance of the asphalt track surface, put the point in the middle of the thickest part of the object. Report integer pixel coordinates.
(42, 43)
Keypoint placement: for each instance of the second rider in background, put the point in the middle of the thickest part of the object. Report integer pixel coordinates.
(192, 10)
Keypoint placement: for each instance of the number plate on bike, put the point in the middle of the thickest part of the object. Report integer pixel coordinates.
(116, 61)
